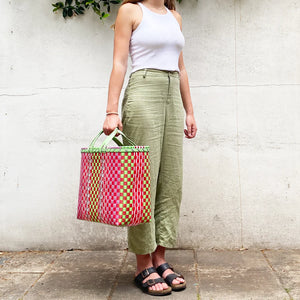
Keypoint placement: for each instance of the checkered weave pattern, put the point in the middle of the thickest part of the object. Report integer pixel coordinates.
(115, 185)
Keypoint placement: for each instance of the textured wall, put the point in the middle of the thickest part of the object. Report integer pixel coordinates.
(241, 173)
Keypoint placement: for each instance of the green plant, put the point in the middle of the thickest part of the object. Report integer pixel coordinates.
(77, 7)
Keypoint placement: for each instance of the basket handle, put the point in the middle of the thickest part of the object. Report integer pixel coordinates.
(111, 137)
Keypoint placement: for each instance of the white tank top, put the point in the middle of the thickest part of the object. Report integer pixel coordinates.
(156, 42)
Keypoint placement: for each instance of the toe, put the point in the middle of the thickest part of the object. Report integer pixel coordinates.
(165, 286)
(178, 280)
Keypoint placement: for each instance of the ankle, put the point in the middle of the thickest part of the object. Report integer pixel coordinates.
(157, 261)
(158, 256)
(143, 262)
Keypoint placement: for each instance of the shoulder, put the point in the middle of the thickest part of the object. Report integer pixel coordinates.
(128, 8)
(177, 15)
(127, 14)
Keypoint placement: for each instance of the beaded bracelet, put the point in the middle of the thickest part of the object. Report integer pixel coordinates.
(112, 113)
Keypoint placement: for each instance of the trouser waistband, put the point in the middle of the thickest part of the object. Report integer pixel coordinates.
(154, 72)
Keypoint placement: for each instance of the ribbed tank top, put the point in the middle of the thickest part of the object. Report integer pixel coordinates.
(156, 42)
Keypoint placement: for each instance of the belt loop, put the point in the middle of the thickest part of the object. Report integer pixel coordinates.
(145, 73)
(169, 82)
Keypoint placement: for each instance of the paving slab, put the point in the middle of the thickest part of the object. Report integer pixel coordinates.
(27, 261)
(72, 286)
(286, 264)
(13, 285)
(236, 275)
(87, 261)
(181, 260)
(79, 275)
(4, 258)
(233, 259)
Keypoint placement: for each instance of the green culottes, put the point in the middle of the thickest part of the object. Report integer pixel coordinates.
(153, 114)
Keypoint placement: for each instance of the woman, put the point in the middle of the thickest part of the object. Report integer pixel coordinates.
(153, 114)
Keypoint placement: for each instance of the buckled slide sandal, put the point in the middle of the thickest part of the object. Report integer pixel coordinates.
(144, 286)
(175, 287)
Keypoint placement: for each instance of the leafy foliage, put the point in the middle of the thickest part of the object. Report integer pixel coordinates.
(76, 7)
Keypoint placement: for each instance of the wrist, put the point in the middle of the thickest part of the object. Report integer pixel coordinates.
(190, 113)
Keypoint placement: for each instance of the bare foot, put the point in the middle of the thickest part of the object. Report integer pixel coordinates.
(158, 258)
(145, 262)
(177, 280)
(157, 286)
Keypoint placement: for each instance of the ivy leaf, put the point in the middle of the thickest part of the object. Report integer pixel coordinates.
(70, 12)
(58, 5)
(97, 11)
(65, 12)
(68, 2)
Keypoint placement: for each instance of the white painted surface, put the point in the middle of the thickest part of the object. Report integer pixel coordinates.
(241, 173)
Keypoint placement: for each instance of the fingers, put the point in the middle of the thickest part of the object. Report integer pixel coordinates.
(106, 130)
(111, 123)
(194, 130)
(120, 126)
(186, 133)
(190, 132)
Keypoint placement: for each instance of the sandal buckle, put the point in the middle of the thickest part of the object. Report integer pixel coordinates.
(150, 282)
(145, 273)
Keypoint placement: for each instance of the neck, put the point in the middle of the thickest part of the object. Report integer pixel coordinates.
(155, 3)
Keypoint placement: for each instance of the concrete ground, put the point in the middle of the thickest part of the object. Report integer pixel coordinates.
(210, 274)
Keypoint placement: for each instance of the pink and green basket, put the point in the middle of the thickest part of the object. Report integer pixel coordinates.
(114, 183)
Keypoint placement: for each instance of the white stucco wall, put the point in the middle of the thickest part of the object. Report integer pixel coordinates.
(241, 173)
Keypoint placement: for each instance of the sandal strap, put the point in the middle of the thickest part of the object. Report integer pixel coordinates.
(151, 282)
(163, 267)
(169, 279)
(145, 273)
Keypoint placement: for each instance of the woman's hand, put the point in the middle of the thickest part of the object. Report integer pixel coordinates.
(111, 122)
(191, 130)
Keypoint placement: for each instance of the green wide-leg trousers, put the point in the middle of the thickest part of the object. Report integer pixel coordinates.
(153, 114)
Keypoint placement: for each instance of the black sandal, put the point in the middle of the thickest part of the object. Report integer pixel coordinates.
(175, 287)
(144, 286)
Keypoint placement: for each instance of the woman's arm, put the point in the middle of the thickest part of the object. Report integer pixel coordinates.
(123, 29)
(191, 130)
(190, 121)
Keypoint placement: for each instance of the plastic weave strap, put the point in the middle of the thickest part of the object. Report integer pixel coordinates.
(112, 136)
(109, 138)
(117, 142)
(97, 136)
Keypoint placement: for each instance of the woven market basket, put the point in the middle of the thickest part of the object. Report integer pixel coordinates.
(114, 183)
